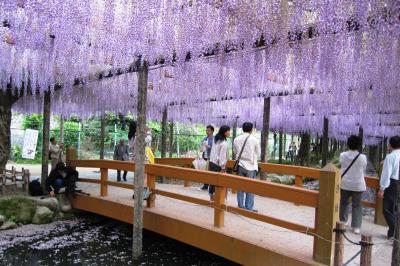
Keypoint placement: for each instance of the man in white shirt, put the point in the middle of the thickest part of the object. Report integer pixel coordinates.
(55, 152)
(388, 183)
(248, 165)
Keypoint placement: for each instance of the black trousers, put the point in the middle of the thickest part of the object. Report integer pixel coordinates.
(389, 206)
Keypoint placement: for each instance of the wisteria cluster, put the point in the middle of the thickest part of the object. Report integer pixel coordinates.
(339, 59)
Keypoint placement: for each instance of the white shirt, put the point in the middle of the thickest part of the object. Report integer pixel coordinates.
(390, 168)
(55, 151)
(353, 180)
(251, 151)
(219, 153)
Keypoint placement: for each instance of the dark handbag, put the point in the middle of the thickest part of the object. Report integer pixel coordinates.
(351, 164)
(236, 165)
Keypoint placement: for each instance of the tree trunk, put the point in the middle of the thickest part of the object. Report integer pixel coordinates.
(171, 138)
(7, 99)
(140, 159)
(234, 134)
(280, 146)
(304, 151)
(274, 151)
(264, 134)
(61, 129)
(102, 135)
(361, 135)
(46, 137)
(164, 133)
(325, 142)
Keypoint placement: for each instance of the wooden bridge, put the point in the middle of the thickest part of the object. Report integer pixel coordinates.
(294, 225)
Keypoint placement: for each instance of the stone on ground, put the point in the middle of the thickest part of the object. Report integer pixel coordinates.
(2, 219)
(51, 203)
(8, 225)
(43, 215)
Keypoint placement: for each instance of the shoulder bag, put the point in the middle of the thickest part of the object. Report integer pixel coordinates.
(351, 164)
(236, 165)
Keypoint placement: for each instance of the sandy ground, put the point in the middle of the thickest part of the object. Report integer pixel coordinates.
(263, 234)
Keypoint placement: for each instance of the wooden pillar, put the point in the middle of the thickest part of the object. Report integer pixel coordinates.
(366, 251)
(274, 150)
(219, 202)
(327, 214)
(103, 182)
(143, 71)
(102, 135)
(339, 241)
(361, 135)
(280, 146)
(396, 244)
(45, 137)
(325, 142)
(171, 138)
(264, 134)
(304, 151)
(164, 133)
(61, 129)
(151, 184)
(384, 147)
(284, 146)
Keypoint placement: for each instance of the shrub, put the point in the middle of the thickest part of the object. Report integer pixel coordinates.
(18, 209)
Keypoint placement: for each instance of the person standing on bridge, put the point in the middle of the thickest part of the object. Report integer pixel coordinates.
(388, 184)
(206, 146)
(121, 153)
(352, 168)
(55, 152)
(247, 149)
(219, 155)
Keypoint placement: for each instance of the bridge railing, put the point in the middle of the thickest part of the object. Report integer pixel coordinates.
(325, 201)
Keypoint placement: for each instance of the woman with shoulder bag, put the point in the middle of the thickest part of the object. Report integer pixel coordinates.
(219, 155)
(352, 168)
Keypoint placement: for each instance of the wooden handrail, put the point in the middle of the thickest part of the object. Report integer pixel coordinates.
(291, 194)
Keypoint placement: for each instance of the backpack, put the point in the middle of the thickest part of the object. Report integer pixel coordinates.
(35, 189)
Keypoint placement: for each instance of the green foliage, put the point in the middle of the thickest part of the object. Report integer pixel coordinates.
(71, 130)
(33, 121)
(18, 209)
(16, 152)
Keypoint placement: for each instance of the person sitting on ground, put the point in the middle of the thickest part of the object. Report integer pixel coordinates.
(388, 184)
(219, 155)
(352, 167)
(56, 179)
(248, 148)
(121, 153)
(55, 152)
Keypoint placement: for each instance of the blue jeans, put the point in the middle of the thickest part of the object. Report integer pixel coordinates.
(247, 203)
(58, 184)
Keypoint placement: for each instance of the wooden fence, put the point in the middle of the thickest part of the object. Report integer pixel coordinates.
(12, 177)
(325, 201)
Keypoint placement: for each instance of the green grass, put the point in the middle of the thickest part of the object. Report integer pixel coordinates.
(18, 209)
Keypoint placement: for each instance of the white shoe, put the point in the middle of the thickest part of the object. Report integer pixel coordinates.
(356, 230)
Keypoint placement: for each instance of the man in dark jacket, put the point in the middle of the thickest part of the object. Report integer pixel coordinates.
(121, 153)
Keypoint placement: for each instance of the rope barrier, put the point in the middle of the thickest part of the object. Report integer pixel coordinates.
(352, 258)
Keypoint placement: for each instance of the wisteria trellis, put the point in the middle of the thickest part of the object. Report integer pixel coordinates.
(350, 64)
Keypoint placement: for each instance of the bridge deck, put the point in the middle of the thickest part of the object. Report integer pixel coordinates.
(242, 240)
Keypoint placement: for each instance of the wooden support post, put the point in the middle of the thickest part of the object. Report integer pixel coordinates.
(26, 178)
(171, 138)
(151, 184)
(102, 134)
(45, 138)
(219, 201)
(234, 134)
(384, 149)
(264, 134)
(298, 181)
(137, 243)
(71, 155)
(274, 149)
(327, 214)
(325, 142)
(103, 182)
(339, 247)
(164, 132)
(366, 251)
(396, 244)
(304, 151)
(280, 146)
(14, 178)
(361, 135)
(379, 218)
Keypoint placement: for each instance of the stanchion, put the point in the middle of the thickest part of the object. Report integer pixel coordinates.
(339, 248)
(366, 250)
